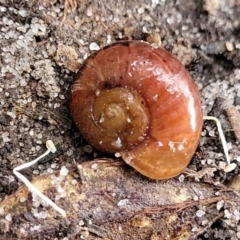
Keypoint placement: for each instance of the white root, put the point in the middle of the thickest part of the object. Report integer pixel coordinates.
(230, 166)
(50, 148)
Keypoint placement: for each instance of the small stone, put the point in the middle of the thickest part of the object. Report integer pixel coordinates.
(181, 178)
(117, 155)
(227, 214)
(22, 230)
(229, 46)
(1, 210)
(74, 182)
(31, 132)
(8, 217)
(123, 203)
(64, 171)
(22, 199)
(3, 120)
(60, 190)
(155, 2)
(220, 204)
(117, 143)
(23, 13)
(195, 198)
(204, 222)
(89, 12)
(211, 6)
(3, 9)
(209, 161)
(11, 178)
(53, 165)
(49, 170)
(5, 137)
(94, 166)
(109, 39)
(81, 223)
(195, 229)
(35, 172)
(141, 10)
(94, 46)
(43, 215)
(200, 213)
(237, 45)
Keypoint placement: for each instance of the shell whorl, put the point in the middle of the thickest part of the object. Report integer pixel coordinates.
(152, 115)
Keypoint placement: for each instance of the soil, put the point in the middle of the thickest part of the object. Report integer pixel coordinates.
(35, 86)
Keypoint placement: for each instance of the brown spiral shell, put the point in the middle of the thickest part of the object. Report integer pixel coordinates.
(138, 100)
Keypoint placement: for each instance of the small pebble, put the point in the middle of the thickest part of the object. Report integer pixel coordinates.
(3, 9)
(94, 47)
(22, 199)
(117, 155)
(229, 46)
(204, 222)
(64, 171)
(23, 13)
(1, 210)
(220, 204)
(123, 203)
(200, 213)
(8, 217)
(3, 120)
(227, 214)
(94, 166)
(181, 178)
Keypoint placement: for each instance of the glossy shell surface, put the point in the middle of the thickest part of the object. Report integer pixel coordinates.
(169, 92)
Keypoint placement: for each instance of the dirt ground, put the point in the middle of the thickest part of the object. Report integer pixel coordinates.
(35, 92)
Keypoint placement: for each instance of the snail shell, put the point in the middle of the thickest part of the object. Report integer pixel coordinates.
(138, 100)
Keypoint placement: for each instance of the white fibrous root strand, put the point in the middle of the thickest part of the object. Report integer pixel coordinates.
(50, 148)
(230, 166)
